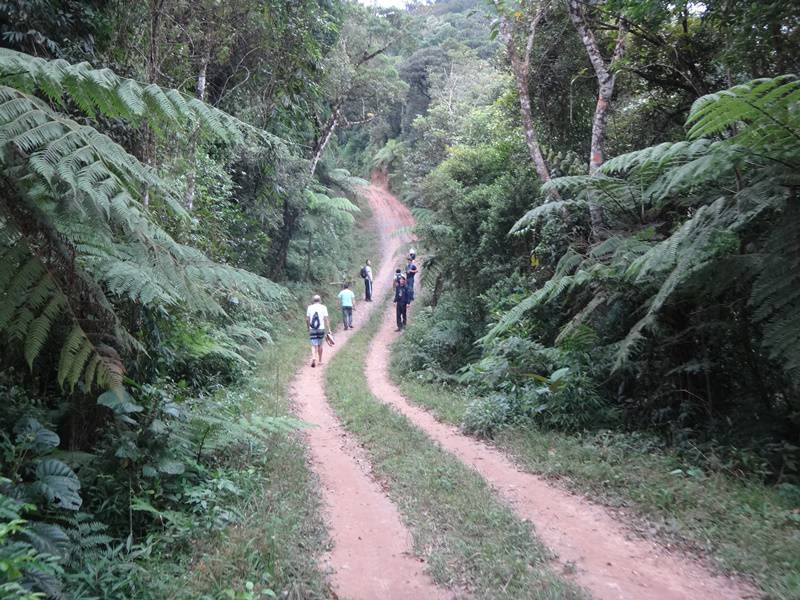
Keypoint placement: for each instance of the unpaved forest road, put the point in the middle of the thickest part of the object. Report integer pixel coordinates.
(372, 557)
(608, 561)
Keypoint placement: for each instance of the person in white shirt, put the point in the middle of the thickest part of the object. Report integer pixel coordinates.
(366, 273)
(318, 323)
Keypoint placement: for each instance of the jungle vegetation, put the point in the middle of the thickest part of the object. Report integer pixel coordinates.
(606, 196)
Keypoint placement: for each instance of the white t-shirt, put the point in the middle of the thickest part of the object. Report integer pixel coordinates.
(368, 269)
(320, 310)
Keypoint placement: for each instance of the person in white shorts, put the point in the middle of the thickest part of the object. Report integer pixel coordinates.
(318, 323)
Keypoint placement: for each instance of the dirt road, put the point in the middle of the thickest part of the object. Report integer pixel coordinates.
(372, 557)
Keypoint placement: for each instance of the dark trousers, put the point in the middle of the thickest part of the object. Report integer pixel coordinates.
(367, 290)
(400, 309)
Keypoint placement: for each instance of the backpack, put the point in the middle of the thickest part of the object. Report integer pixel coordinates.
(363, 272)
(315, 321)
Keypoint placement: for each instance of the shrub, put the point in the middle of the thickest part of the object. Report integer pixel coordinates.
(439, 339)
(486, 414)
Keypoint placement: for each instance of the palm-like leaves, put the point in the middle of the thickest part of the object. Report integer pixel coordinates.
(736, 171)
(74, 236)
(103, 91)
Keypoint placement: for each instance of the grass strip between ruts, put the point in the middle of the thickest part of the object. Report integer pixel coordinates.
(743, 525)
(471, 540)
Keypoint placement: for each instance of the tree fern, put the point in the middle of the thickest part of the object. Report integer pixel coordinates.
(75, 236)
(103, 91)
(736, 171)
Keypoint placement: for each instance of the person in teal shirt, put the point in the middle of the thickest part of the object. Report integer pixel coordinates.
(347, 301)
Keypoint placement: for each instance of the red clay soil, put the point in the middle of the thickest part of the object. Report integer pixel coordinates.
(371, 556)
(605, 558)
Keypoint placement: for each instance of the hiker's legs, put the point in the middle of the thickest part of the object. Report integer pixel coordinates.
(398, 309)
(319, 353)
(344, 317)
(367, 290)
(401, 317)
(349, 316)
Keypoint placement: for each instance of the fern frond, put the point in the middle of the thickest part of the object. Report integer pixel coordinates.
(552, 289)
(761, 116)
(96, 170)
(343, 179)
(632, 343)
(322, 202)
(34, 305)
(103, 91)
(533, 215)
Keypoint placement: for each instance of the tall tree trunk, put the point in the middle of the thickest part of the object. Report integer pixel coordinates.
(520, 66)
(605, 92)
(155, 8)
(531, 137)
(200, 92)
(281, 246)
(325, 135)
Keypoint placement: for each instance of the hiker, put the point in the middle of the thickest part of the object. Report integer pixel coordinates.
(347, 302)
(411, 273)
(318, 323)
(366, 275)
(401, 302)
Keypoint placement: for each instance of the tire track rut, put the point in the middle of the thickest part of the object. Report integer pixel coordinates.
(606, 560)
(371, 556)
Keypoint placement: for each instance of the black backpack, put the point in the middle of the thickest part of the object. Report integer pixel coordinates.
(363, 272)
(315, 321)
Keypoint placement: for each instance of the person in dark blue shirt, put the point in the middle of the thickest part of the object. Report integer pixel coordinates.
(401, 302)
(411, 273)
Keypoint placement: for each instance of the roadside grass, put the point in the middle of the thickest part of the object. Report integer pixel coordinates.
(470, 540)
(272, 547)
(743, 525)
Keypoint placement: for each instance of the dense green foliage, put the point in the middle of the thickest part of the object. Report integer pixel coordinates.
(177, 179)
(679, 315)
(159, 221)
